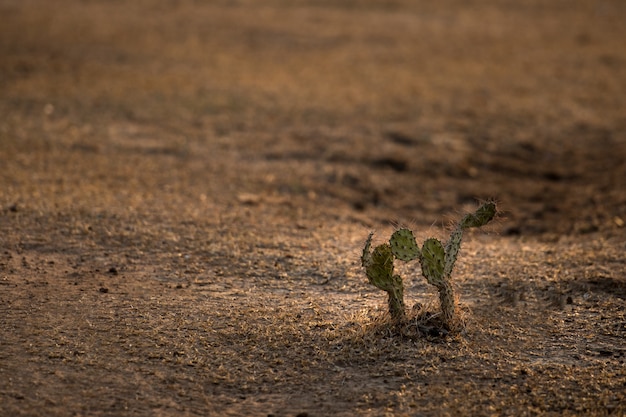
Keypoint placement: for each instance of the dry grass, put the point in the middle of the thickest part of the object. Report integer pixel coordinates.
(185, 189)
(234, 340)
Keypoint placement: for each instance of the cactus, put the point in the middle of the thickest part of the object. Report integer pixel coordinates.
(379, 270)
(485, 213)
(437, 262)
(404, 246)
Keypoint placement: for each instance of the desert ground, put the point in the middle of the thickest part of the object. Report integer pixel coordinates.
(186, 187)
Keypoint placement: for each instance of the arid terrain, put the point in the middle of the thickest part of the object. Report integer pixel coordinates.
(186, 187)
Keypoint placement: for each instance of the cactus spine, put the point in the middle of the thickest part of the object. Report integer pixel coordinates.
(437, 262)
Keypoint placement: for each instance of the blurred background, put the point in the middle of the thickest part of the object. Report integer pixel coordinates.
(378, 110)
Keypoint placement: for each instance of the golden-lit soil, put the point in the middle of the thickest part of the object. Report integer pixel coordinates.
(186, 187)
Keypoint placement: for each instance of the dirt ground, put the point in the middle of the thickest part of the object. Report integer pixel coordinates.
(186, 187)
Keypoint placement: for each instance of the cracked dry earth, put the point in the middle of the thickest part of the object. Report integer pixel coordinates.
(186, 188)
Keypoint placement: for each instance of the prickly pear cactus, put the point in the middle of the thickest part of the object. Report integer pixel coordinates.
(480, 217)
(437, 262)
(379, 270)
(432, 260)
(404, 246)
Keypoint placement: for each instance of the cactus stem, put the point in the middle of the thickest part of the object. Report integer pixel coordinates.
(448, 304)
(396, 299)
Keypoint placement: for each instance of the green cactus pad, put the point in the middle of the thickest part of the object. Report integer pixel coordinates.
(404, 246)
(379, 270)
(480, 217)
(432, 259)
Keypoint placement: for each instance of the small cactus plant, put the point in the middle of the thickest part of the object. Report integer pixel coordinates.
(437, 262)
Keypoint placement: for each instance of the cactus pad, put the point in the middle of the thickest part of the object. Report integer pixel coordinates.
(380, 270)
(432, 259)
(378, 264)
(404, 246)
(480, 217)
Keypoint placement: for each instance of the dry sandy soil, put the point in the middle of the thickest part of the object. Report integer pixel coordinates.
(186, 186)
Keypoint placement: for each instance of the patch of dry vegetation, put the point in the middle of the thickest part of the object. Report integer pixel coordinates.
(185, 189)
